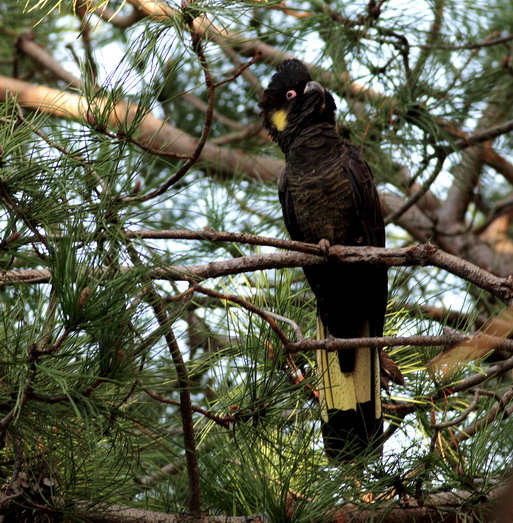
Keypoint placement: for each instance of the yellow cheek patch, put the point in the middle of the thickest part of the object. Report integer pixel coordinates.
(279, 119)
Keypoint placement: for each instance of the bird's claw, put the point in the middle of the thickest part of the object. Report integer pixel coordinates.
(324, 246)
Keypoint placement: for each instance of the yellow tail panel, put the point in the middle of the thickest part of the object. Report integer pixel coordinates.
(343, 390)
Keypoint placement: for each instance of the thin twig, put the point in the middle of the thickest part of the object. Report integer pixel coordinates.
(249, 306)
(468, 431)
(239, 71)
(120, 135)
(53, 348)
(293, 324)
(207, 124)
(57, 146)
(461, 417)
(247, 74)
(197, 102)
(469, 46)
(224, 421)
(476, 379)
(480, 136)
(442, 153)
(414, 198)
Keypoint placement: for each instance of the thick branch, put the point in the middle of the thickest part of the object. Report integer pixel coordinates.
(336, 344)
(421, 255)
(412, 220)
(467, 173)
(116, 19)
(117, 514)
(151, 130)
(44, 58)
(251, 46)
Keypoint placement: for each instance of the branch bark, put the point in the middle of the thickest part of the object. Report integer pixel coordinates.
(438, 507)
(419, 255)
(151, 130)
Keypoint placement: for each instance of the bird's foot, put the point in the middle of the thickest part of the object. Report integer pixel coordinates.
(324, 246)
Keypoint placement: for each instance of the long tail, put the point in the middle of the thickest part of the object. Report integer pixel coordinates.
(350, 401)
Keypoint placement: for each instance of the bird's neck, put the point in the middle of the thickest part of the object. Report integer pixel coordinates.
(312, 137)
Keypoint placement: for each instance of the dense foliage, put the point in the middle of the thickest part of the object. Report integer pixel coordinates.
(146, 360)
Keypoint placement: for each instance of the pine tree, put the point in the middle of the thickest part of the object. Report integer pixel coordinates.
(157, 336)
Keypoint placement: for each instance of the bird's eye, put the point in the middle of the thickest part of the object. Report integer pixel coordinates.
(290, 94)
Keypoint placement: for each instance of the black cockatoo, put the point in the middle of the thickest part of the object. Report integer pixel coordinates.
(328, 196)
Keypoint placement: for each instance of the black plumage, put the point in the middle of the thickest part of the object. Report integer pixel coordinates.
(327, 193)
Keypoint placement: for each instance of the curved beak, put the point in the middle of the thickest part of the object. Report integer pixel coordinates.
(319, 89)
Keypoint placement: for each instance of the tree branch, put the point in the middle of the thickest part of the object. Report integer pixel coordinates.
(151, 130)
(27, 45)
(445, 340)
(419, 255)
(224, 421)
(191, 458)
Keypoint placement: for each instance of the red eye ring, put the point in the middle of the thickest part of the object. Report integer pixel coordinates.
(291, 94)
